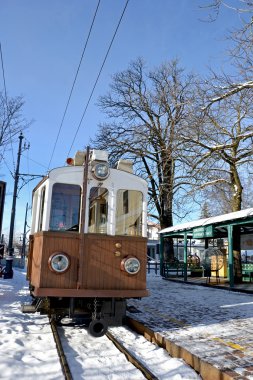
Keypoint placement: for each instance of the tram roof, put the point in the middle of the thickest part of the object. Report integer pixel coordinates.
(242, 217)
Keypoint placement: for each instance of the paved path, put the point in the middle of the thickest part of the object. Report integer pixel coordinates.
(212, 329)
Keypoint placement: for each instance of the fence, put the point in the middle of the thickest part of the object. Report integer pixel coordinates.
(153, 266)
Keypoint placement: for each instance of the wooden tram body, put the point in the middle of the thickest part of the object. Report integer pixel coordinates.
(91, 220)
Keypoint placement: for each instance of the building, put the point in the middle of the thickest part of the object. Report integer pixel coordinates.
(153, 241)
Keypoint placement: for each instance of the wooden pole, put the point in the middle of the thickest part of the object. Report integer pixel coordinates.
(82, 218)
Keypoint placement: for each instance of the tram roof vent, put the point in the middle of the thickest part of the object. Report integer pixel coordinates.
(79, 158)
(125, 165)
(99, 155)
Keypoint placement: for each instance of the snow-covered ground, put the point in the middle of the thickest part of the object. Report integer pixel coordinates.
(215, 325)
(97, 358)
(27, 347)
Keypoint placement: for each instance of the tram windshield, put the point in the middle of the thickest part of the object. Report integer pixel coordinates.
(129, 213)
(65, 207)
(98, 209)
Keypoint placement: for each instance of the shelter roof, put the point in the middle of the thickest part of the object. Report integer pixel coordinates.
(238, 217)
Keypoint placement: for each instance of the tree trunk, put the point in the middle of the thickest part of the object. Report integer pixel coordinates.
(236, 189)
(166, 220)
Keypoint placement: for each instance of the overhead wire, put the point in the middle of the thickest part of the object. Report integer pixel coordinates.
(73, 85)
(100, 71)
(36, 162)
(6, 101)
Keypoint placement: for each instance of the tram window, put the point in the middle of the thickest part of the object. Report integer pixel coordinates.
(98, 209)
(41, 212)
(65, 207)
(129, 213)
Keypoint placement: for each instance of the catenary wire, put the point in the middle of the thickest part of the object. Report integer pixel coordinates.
(73, 85)
(6, 100)
(100, 71)
(36, 162)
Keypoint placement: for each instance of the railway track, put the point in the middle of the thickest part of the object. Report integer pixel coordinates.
(129, 356)
(62, 356)
(132, 358)
(83, 356)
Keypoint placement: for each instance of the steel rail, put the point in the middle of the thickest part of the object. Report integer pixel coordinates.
(132, 358)
(62, 357)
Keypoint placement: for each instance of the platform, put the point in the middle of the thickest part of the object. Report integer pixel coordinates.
(210, 326)
(245, 287)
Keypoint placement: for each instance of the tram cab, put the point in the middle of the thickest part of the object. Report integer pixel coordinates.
(89, 234)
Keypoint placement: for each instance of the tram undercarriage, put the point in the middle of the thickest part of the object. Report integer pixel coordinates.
(96, 313)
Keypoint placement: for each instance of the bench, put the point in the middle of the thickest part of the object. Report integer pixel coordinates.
(173, 269)
(247, 272)
(209, 274)
(197, 272)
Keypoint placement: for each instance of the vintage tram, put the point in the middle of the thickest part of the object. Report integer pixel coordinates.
(88, 244)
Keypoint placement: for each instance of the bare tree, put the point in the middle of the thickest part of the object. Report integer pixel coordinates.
(147, 110)
(220, 138)
(240, 52)
(213, 7)
(11, 121)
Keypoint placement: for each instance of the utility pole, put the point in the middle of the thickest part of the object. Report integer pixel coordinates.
(2, 197)
(8, 269)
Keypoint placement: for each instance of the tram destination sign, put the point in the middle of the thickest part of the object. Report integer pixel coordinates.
(203, 232)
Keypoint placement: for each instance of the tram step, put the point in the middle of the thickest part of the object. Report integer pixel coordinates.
(28, 308)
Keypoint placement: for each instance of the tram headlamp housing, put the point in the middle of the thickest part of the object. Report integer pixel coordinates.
(100, 170)
(131, 265)
(59, 262)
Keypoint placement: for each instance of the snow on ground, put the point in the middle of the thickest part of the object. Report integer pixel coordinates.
(92, 358)
(97, 358)
(27, 347)
(193, 305)
(157, 360)
(206, 320)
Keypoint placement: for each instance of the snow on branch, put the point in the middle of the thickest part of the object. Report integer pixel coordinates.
(235, 89)
(213, 182)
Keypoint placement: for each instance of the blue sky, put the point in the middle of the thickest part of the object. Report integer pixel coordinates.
(42, 43)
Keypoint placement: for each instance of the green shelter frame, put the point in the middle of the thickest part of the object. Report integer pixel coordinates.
(216, 227)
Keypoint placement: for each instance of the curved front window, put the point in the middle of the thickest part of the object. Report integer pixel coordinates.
(42, 205)
(65, 207)
(129, 213)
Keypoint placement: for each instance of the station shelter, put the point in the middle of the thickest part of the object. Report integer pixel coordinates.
(205, 247)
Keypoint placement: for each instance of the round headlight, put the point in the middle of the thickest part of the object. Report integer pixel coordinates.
(101, 171)
(59, 262)
(131, 265)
